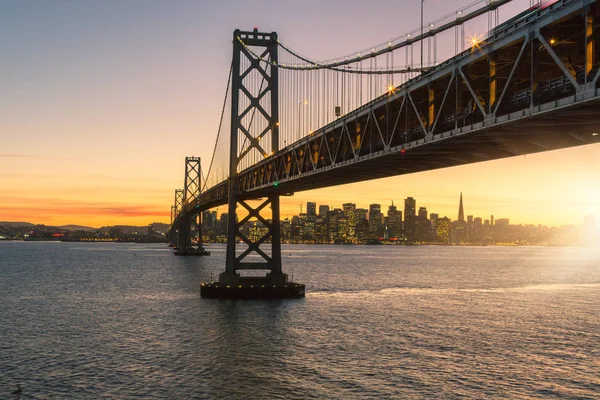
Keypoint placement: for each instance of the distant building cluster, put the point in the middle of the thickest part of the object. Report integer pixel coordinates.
(412, 225)
(153, 233)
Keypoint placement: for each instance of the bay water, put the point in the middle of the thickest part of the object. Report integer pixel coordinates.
(125, 321)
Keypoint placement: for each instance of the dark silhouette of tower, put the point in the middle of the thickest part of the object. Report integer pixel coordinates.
(461, 212)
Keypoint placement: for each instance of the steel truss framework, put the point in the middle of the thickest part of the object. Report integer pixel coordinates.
(532, 86)
(542, 66)
(253, 140)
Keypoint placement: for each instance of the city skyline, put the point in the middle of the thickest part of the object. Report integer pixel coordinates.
(417, 209)
(102, 102)
(291, 209)
(406, 223)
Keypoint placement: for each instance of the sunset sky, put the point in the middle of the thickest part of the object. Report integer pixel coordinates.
(100, 102)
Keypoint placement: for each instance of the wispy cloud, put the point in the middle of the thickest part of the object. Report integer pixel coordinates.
(4, 155)
(41, 157)
(65, 212)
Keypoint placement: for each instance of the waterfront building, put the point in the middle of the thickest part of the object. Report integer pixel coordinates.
(321, 234)
(286, 230)
(309, 230)
(433, 217)
(334, 215)
(442, 230)
(422, 230)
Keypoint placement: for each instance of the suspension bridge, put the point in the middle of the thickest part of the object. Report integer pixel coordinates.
(290, 123)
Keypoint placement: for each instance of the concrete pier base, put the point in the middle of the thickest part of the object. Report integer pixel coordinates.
(191, 252)
(238, 287)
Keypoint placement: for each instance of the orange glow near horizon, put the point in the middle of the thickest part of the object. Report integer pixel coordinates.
(552, 188)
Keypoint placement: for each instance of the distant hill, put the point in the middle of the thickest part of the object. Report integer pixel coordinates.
(15, 224)
(76, 228)
(157, 226)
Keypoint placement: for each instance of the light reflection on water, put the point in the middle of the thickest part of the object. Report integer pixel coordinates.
(126, 321)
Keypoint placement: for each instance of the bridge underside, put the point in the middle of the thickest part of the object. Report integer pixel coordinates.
(575, 126)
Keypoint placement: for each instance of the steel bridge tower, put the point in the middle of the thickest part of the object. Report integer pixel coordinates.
(240, 128)
(189, 230)
(248, 138)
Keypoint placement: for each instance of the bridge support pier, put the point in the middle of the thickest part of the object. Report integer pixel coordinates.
(189, 237)
(271, 262)
(258, 81)
(172, 234)
(188, 227)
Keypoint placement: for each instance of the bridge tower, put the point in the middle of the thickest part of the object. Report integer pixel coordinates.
(254, 129)
(189, 230)
(240, 128)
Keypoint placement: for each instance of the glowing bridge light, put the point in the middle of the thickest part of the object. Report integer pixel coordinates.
(391, 88)
(595, 134)
(276, 183)
(552, 41)
(475, 41)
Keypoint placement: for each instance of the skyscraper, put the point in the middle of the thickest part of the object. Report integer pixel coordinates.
(394, 222)
(443, 230)
(461, 211)
(311, 209)
(350, 213)
(348, 208)
(323, 211)
(410, 206)
(375, 220)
